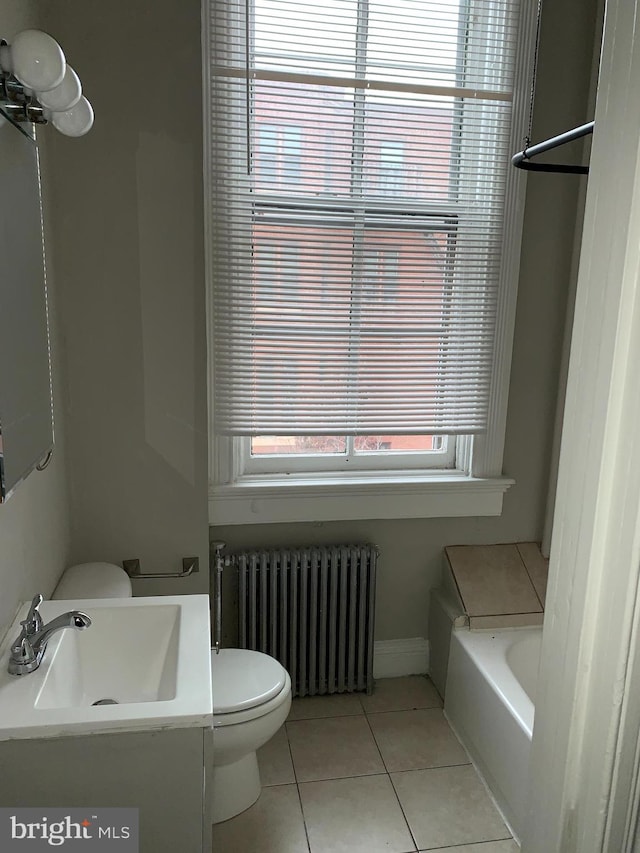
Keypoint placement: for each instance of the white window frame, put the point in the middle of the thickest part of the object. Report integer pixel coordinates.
(475, 486)
(350, 460)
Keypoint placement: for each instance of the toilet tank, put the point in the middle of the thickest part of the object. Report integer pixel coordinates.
(93, 580)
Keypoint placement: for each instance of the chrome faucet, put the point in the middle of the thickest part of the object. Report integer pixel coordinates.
(28, 649)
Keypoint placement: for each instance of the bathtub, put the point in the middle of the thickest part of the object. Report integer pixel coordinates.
(490, 704)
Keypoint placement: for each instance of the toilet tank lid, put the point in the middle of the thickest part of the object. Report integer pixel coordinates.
(243, 679)
(93, 580)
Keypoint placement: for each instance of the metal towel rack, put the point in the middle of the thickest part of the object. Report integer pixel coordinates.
(190, 566)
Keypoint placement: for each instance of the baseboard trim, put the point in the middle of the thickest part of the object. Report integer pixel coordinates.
(392, 658)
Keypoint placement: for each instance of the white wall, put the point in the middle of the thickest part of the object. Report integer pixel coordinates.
(129, 257)
(34, 523)
(129, 253)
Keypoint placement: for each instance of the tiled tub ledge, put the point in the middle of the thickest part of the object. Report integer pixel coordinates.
(497, 586)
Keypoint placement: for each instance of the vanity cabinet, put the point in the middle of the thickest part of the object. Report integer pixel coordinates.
(165, 774)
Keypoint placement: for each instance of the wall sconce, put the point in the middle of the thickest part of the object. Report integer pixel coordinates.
(37, 85)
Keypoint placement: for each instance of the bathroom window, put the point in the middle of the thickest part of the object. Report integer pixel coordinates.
(358, 158)
(392, 169)
(277, 154)
(311, 453)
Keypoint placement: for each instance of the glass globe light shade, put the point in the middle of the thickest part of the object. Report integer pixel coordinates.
(37, 60)
(64, 96)
(74, 122)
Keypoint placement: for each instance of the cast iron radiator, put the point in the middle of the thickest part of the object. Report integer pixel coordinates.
(313, 609)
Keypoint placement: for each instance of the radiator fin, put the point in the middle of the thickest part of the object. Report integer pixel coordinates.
(313, 609)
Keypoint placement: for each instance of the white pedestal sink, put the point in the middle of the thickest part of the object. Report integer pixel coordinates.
(150, 657)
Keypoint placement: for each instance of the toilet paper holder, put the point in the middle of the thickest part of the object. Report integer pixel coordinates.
(190, 566)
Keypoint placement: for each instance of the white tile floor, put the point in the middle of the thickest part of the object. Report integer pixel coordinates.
(367, 774)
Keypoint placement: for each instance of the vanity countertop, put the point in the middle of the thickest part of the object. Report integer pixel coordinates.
(149, 658)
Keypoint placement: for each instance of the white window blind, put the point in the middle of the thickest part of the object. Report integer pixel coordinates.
(359, 158)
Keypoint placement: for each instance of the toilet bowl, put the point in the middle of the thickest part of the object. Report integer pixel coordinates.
(251, 697)
(251, 700)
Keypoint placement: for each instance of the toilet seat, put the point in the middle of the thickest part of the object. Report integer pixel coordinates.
(234, 718)
(246, 685)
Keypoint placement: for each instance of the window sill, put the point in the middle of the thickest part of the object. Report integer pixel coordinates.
(375, 495)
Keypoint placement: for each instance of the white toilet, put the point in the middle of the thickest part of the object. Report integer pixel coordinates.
(251, 696)
(251, 700)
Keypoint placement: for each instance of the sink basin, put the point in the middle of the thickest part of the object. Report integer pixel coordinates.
(126, 655)
(145, 661)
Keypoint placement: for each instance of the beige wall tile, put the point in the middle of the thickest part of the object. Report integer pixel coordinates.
(333, 748)
(492, 579)
(511, 620)
(448, 806)
(537, 566)
(409, 740)
(449, 586)
(354, 816)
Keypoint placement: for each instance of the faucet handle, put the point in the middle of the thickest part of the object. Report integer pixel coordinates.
(33, 622)
(22, 651)
(24, 658)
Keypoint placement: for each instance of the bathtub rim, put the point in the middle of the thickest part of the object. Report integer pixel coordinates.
(488, 647)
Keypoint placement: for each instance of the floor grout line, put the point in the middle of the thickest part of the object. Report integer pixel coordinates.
(385, 772)
(364, 713)
(403, 710)
(388, 775)
(373, 735)
(406, 819)
(324, 717)
(304, 820)
(295, 778)
(293, 764)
